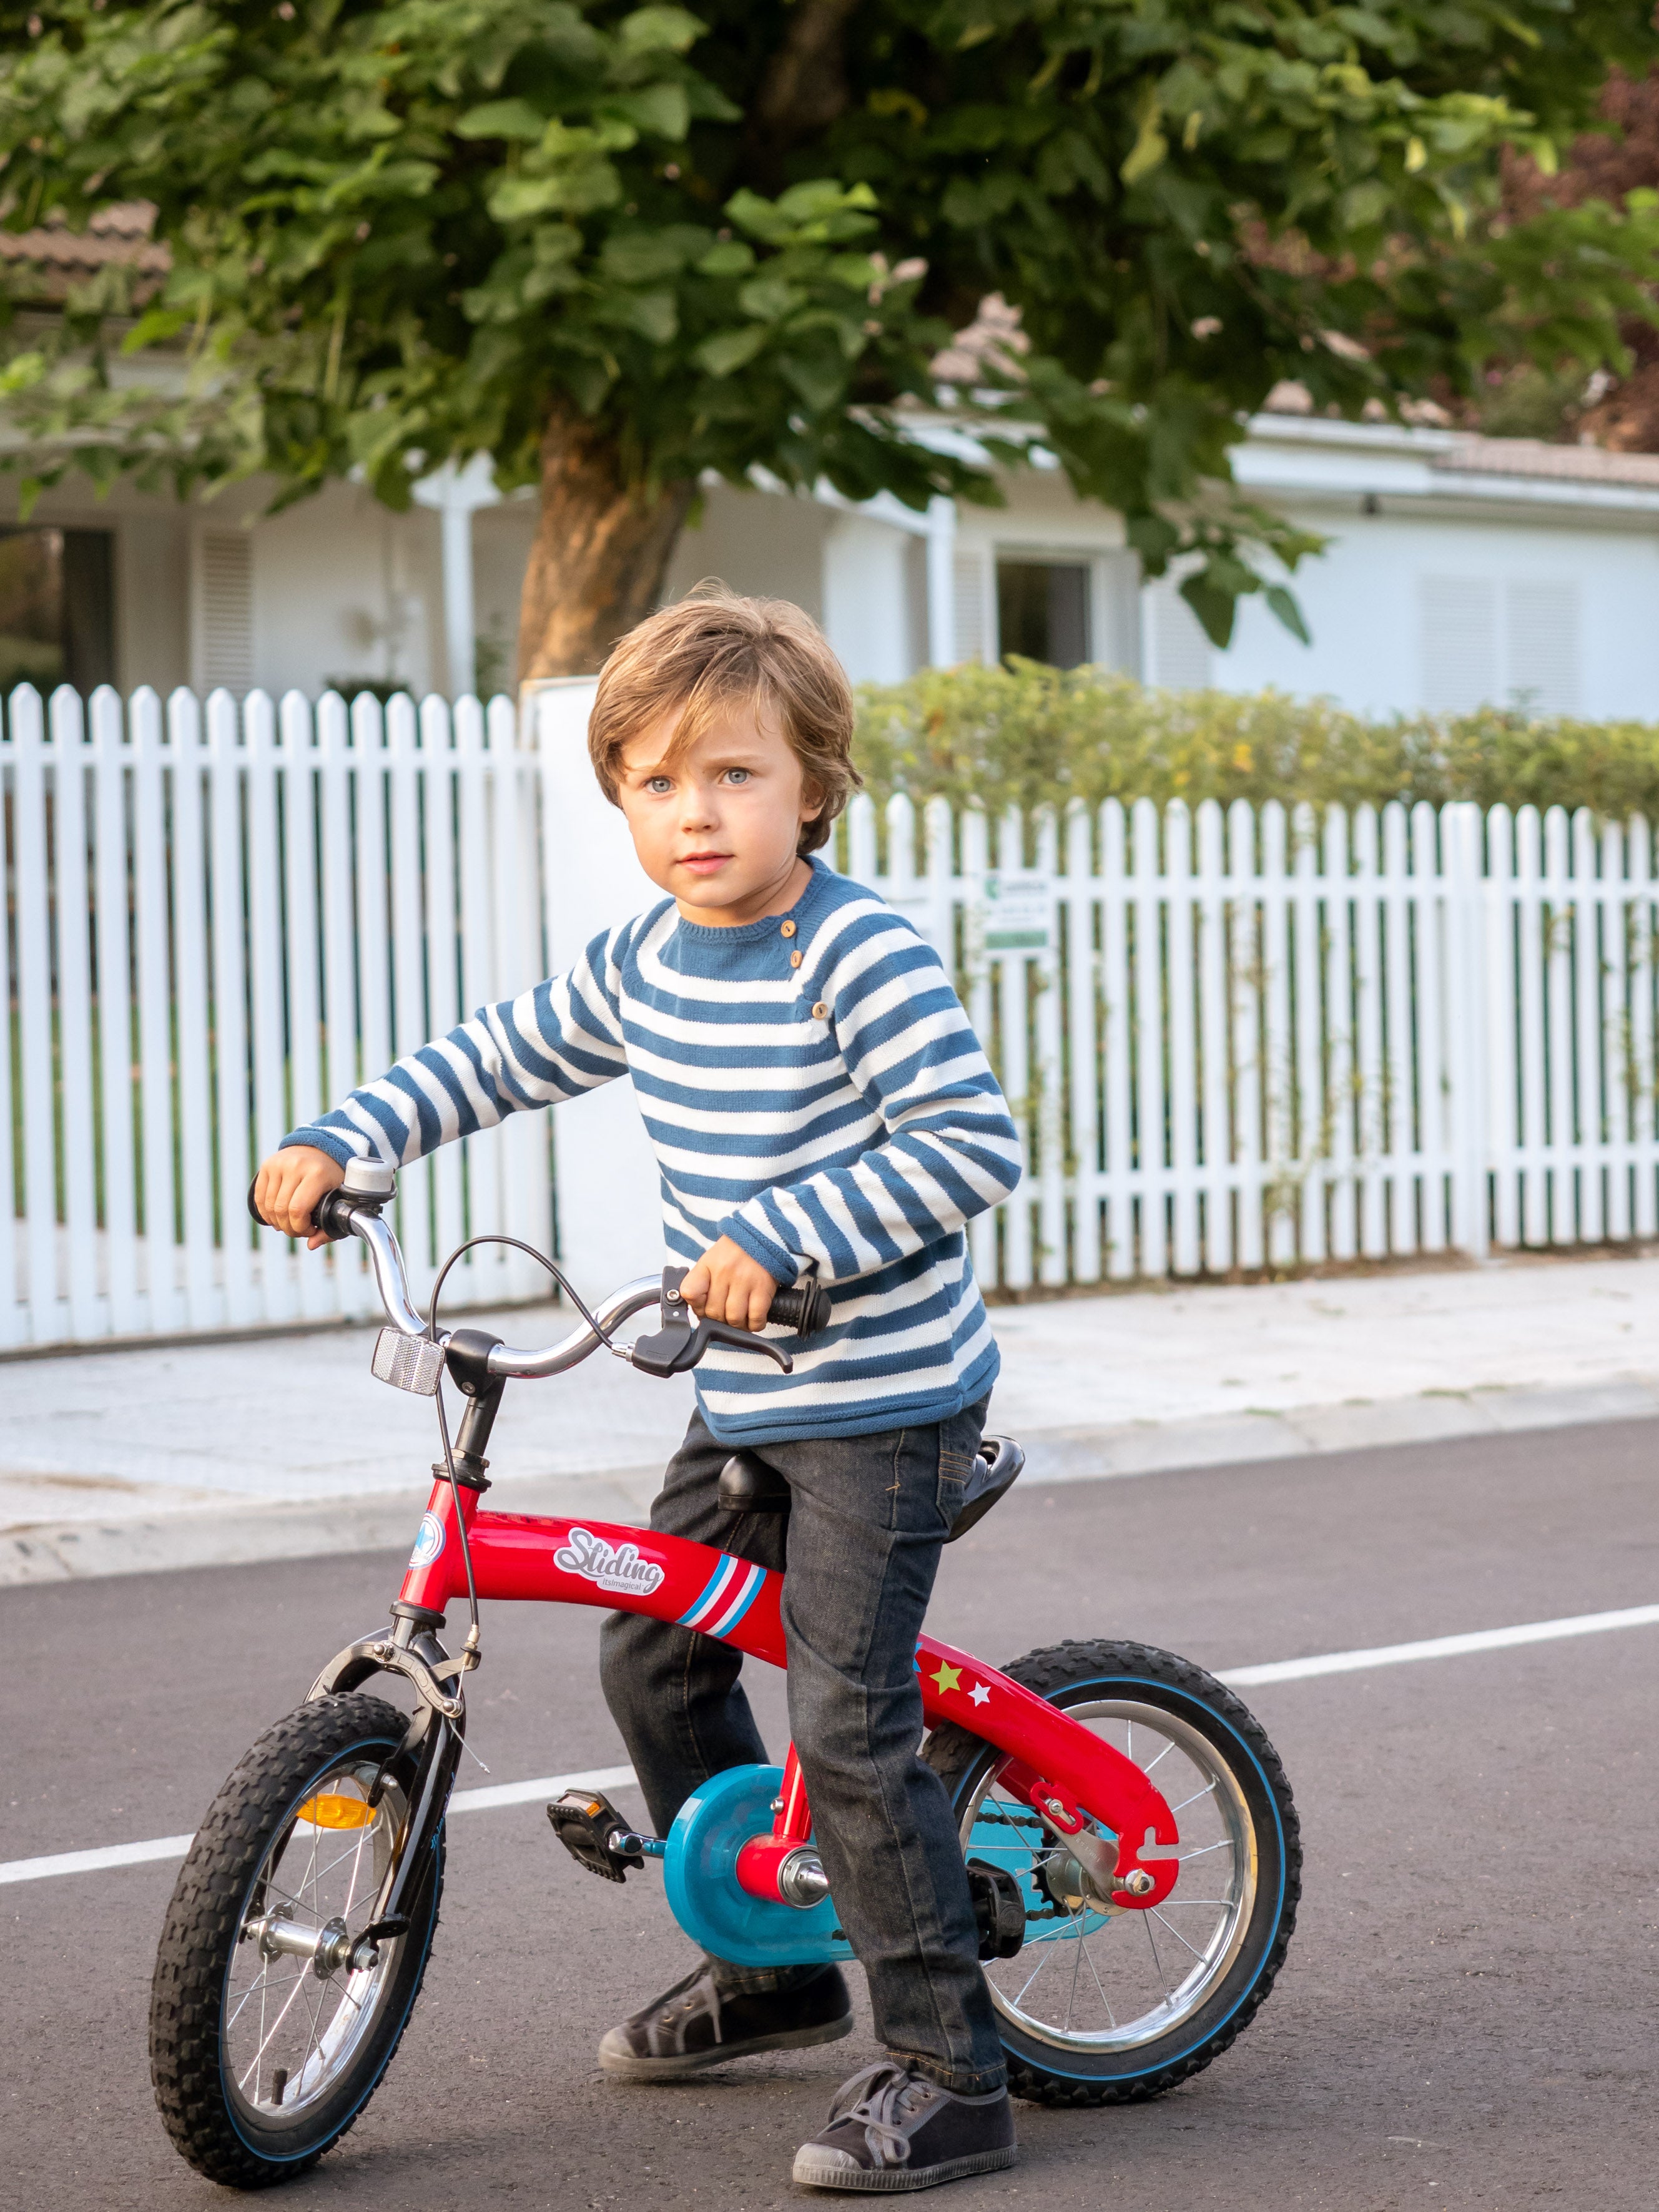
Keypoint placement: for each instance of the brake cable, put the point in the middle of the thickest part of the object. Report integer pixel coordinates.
(593, 1322)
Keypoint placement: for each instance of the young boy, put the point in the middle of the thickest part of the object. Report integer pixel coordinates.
(818, 1105)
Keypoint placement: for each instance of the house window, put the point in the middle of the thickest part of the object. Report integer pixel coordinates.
(57, 608)
(1042, 610)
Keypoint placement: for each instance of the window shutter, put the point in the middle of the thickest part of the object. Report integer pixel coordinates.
(1542, 619)
(1179, 650)
(1457, 629)
(968, 572)
(224, 611)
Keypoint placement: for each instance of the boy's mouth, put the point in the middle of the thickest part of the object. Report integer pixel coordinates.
(704, 863)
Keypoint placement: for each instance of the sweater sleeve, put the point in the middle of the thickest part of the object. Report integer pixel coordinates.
(554, 1042)
(950, 1148)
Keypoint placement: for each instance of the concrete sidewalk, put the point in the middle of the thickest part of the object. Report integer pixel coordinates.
(115, 1462)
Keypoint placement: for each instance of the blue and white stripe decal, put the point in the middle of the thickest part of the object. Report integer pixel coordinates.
(727, 1596)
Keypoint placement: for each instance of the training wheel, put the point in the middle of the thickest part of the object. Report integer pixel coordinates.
(699, 1871)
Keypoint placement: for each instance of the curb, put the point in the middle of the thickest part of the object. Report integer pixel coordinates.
(74, 1551)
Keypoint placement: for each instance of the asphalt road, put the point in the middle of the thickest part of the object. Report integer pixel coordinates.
(1468, 2016)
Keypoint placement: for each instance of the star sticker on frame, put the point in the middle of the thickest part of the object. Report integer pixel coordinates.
(979, 1694)
(948, 1677)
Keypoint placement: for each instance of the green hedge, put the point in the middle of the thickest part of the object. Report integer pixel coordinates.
(1029, 735)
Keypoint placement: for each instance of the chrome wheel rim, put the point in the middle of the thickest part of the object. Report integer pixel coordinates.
(291, 2026)
(1096, 1977)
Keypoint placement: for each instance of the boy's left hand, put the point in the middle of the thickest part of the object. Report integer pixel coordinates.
(727, 1285)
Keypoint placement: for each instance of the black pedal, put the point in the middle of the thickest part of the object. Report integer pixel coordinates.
(998, 1908)
(595, 1833)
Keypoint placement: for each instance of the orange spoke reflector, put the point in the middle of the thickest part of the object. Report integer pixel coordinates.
(332, 1812)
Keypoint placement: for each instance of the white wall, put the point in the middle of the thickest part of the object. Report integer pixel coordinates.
(1412, 610)
(343, 587)
(759, 542)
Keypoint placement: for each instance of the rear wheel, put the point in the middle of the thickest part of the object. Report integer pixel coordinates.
(271, 2022)
(1108, 2003)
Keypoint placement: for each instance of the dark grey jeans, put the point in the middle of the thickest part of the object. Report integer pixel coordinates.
(867, 1516)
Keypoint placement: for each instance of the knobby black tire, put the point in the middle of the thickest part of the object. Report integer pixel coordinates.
(200, 1936)
(1078, 1673)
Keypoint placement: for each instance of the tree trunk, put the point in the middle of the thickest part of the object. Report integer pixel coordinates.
(600, 556)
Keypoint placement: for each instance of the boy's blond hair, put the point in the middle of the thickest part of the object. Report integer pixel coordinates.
(715, 650)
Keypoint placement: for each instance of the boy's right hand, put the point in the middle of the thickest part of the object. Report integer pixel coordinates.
(290, 1187)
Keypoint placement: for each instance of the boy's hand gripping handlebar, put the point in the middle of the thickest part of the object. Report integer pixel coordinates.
(682, 1340)
(676, 1345)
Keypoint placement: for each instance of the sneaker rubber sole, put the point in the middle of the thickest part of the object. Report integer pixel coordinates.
(623, 2062)
(816, 2168)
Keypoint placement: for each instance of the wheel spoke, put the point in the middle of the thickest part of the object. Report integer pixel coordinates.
(1196, 1795)
(1154, 1913)
(1146, 1923)
(265, 2038)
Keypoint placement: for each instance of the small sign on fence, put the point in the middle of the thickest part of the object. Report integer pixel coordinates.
(1018, 911)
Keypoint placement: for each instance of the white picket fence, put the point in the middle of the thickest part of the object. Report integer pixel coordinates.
(218, 922)
(1248, 1040)
(1233, 1042)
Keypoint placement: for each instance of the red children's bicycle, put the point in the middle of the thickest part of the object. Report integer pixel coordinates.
(1131, 1841)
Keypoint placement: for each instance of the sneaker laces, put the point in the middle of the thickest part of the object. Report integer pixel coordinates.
(878, 2099)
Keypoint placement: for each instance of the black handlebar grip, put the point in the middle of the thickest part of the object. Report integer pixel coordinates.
(334, 1225)
(804, 1307)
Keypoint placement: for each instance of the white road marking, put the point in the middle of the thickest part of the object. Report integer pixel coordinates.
(617, 1778)
(174, 1847)
(1443, 1647)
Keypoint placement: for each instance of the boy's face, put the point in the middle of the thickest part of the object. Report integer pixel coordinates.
(718, 823)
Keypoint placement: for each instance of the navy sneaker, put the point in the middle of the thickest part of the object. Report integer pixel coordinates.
(697, 2024)
(890, 2129)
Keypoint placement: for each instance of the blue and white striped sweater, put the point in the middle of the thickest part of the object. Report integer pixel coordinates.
(837, 1119)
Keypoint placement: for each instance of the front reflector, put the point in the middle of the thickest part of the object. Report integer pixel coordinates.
(329, 1811)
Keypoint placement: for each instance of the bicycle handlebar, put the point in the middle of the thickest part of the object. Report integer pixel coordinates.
(803, 1307)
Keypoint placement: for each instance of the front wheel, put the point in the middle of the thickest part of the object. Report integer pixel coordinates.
(1108, 2003)
(271, 2023)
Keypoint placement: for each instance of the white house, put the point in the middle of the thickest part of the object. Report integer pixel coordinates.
(1460, 569)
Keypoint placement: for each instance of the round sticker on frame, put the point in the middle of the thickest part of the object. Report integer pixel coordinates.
(429, 1541)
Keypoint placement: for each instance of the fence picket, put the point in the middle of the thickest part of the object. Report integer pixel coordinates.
(34, 1036)
(1640, 1067)
(1079, 978)
(229, 891)
(116, 1071)
(73, 998)
(1116, 1016)
(1401, 1139)
(299, 792)
(1215, 1121)
(1182, 1042)
(1148, 1032)
(1244, 1042)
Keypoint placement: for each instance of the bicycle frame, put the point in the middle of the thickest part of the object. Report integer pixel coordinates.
(1054, 1763)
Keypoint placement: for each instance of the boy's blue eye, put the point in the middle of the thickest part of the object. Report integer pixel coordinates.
(659, 783)
(737, 774)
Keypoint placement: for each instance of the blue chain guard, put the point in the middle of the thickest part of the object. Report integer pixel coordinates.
(700, 1872)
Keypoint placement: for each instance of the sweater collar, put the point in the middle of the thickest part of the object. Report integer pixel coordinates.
(769, 924)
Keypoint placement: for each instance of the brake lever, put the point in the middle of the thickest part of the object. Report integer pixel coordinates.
(678, 1347)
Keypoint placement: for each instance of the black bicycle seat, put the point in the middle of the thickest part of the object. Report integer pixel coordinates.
(748, 1485)
(995, 1473)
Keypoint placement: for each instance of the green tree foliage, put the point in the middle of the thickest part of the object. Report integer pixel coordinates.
(1027, 736)
(622, 248)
